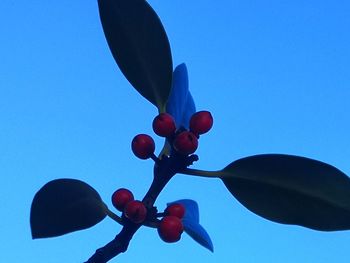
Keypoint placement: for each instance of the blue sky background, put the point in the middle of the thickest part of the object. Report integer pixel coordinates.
(275, 76)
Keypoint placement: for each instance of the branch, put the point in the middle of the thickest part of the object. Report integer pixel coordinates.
(164, 170)
(118, 245)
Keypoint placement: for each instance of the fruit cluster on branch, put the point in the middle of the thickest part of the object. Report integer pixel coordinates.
(183, 143)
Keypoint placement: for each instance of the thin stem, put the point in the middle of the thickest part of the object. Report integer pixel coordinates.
(155, 158)
(113, 216)
(202, 173)
(152, 224)
(160, 214)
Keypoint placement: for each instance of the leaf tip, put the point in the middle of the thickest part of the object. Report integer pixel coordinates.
(33, 234)
(210, 247)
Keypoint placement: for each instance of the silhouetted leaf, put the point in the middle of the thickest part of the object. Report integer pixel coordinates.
(63, 206)
(180, 104)
(191, 224)
(291, 190)
(140, 46)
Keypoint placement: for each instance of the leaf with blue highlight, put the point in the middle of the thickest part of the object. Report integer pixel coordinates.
(191, 208)
(191, 224)
(180, 103)
(198, 233)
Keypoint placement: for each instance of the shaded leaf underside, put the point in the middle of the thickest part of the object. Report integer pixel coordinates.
(291, 190)
(140, 47)
(63, 206)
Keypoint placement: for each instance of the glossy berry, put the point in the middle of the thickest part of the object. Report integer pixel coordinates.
(164, 125)
(135, 211)
(121, 198)
(201, 122)
(170, 229)
(143, 146)
(177, 210)
(186, 143)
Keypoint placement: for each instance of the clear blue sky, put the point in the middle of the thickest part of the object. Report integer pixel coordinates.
(275, 76)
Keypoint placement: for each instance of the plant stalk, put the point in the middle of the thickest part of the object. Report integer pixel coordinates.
(202, 173)
(164, 170)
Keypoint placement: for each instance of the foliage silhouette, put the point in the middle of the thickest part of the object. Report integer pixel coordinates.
(291, 190)
(63, 206)
(282, 188)
(140, 47)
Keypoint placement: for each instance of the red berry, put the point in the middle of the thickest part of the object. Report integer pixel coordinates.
(121, 198)
(177, 210)
(201, 122)
(136, 211)
(170, 229)
(186, 143)
(164, 125)
(143, 146)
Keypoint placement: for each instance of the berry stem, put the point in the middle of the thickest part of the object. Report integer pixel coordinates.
(160, 214)
(155, 158)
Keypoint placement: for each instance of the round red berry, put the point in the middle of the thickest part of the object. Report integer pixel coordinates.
(177, 210)
(170, 229)
(201, 122)
(186, 143)
(143, 146)
(121, 198)
(135, 211)
(164, 125)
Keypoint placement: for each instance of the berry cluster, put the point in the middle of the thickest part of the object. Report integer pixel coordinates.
(134, 210)
(169, 227)
(183, 141)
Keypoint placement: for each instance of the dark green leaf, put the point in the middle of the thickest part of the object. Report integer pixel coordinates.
(140, 46)
(291, 190)
(63, 206)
